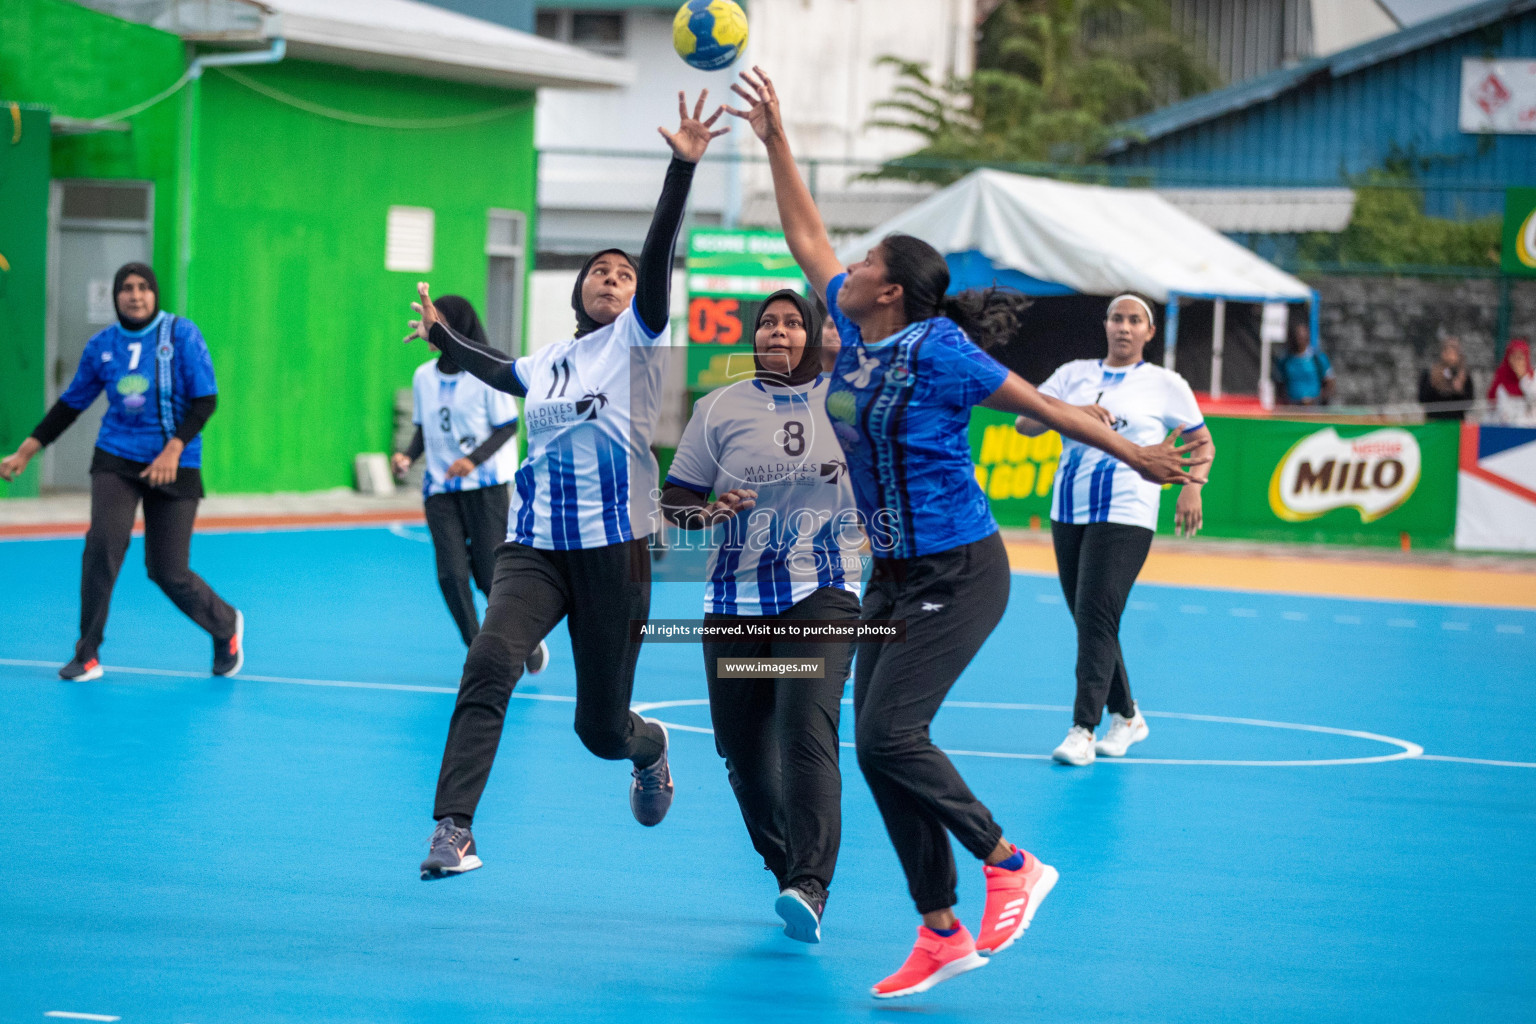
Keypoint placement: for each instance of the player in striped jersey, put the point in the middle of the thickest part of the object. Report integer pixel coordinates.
(789, 544)
(463, 427)
(1103, 514)
(582, 510)
(901, 394)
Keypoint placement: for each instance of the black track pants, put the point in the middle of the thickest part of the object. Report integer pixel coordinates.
(951, 601)
(1097, 563)
(599, 590)
(467, 528)
(167, 549)
(779, 741)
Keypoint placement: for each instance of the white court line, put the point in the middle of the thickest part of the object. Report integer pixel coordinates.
(1294, 616)
(1409, 749)
(69, 1015)
(1347, 620)
(286, 680)
(1402, 623)
(1478, 760)
(1245, 613)
(401, 530)
(1505, 627)
(1460, 627)
(1192, 609)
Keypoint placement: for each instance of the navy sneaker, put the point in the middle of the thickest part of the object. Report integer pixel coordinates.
(229, 653)
(538, 661)
(81, 670)
(650, 795)
(801, 910)
(452, 852)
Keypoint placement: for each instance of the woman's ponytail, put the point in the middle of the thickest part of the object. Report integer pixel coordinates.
(990, 316)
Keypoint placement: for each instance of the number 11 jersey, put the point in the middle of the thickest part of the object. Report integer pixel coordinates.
(589, 479)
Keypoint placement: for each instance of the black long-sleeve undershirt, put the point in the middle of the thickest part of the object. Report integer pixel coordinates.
(685, 507)
(653, 289)
(491, 445)
(62, 416)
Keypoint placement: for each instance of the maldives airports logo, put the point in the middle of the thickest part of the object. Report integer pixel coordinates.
(1374, 473)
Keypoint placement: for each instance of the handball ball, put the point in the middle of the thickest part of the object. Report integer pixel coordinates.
(709, 34)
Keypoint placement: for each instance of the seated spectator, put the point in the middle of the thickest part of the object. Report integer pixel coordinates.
(1446, 381)
(1513, 391)
(1303, 375)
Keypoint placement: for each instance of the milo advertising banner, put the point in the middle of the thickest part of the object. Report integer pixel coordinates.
(730, 272)
(1519, 250)
(1273, 480)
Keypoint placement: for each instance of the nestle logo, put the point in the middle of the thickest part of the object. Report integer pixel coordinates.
(1376, 449)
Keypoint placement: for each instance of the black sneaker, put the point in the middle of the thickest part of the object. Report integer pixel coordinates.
(801, 911)
(81, 670)
(451, 852)
(229, 654)
(538, 661)
(650, 795)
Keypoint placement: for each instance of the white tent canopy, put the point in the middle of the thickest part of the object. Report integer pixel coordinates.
(1094, 239)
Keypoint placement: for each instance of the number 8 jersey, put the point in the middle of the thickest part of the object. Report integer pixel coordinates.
(589, 479)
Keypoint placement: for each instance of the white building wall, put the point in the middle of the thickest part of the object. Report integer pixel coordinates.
(821, 54)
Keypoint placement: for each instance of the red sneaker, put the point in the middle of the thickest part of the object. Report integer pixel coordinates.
(934, 958)
(1012, 899)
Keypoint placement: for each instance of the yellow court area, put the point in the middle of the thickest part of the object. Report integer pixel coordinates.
(1508, 583)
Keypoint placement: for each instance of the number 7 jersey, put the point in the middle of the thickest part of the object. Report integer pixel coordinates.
(589, 478)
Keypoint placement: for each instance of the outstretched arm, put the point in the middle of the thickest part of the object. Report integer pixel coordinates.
(490, 365)
(653, 289)
(803, 228)
(1161, 463)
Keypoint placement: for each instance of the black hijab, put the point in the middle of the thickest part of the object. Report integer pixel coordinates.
(809, 365)
(142, 270)
(458, 314)
(584, 323)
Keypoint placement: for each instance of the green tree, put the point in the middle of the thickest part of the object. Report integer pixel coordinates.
(1389, 228)
(1054, 80)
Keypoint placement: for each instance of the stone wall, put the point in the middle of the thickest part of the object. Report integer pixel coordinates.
(1381, 332)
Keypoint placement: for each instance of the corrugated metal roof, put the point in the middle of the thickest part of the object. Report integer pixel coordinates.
(1246, 94)
(1265, 210)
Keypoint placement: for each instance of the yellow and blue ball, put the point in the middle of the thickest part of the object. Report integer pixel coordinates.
(709, 34)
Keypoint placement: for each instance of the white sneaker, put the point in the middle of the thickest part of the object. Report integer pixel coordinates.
(1077, 748)
(1122, 733)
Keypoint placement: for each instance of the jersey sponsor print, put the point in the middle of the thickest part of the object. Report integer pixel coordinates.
(901, 408)
(590, 478)
(803, 534)
(129, 366)
(1147, 402)
(457, 413)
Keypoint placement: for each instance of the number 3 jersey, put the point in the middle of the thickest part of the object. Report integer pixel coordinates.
(457, 413)
(589, 479)
(1147, 401)
(803, 534)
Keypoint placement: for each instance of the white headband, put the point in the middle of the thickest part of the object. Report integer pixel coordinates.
(1136, 299)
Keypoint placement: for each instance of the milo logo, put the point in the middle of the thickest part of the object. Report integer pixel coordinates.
(1374, 473)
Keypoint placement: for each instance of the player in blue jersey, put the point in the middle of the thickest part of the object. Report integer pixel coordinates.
(1103, 515)
(906, 378)
(789, 550)
(158, 378)
(465, 428)
(583, 506)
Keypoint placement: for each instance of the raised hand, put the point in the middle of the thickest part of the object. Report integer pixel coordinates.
(1166, 463)
(762, 111)
(693, 136)
(424, 309)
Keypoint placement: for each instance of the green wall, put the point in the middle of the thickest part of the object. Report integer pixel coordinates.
(23, 278)
(287, 272)
(84, 64)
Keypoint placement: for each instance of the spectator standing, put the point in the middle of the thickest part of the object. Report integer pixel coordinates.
(1302, 373)
(1513, 391)
(1446, 381)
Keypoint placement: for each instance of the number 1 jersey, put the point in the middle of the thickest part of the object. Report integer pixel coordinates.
(589, 478)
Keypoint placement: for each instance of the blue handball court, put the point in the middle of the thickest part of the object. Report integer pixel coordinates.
(1334, 819)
